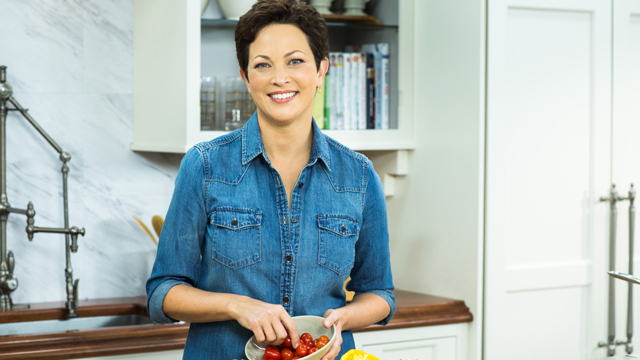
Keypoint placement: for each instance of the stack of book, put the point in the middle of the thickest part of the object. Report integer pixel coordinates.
(355, 93)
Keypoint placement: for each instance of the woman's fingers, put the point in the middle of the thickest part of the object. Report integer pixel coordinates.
(333, 316)
(291, 329)
(335, 348)
(269, 332)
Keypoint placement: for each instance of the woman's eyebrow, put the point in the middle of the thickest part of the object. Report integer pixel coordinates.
(285, 55)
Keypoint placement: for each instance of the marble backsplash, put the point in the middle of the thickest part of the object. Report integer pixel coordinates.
(70, 63)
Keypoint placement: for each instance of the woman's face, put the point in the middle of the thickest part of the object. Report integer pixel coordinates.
(281, 74)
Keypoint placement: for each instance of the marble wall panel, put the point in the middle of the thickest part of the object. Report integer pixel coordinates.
(70, 63)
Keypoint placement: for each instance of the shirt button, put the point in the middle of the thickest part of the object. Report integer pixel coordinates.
(286, 300)
(234, 222)
(343, 228)
(294, 220)
(288, 258)
(300, 185)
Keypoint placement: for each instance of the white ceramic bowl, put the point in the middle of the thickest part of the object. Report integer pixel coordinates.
(233, 9)
(306, 324)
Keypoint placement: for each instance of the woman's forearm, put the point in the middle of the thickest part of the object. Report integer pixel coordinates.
(186, 303)
(364, 310)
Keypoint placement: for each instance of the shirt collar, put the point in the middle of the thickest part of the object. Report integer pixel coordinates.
(252, 145)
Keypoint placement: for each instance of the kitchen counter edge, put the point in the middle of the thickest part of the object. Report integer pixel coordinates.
(412, 310)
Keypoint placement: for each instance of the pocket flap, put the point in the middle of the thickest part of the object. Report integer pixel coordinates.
(340, 225)
(235, 218)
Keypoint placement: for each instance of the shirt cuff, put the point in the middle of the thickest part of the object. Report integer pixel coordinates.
(388, 296)
(154, 306)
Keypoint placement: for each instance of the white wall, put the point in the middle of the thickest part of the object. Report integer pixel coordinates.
(70, 64)
(435, 217)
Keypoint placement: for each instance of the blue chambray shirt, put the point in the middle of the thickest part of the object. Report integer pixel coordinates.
(229, 229)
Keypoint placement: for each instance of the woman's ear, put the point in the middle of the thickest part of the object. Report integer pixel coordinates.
(246, 80)
(322, 71)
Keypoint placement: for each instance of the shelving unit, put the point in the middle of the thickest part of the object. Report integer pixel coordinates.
(173, 46)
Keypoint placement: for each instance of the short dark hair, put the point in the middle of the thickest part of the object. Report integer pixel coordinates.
(267, 12)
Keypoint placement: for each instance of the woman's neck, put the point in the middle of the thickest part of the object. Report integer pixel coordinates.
(288, 141)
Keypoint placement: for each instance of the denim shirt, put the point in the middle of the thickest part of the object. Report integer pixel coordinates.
(229, 229)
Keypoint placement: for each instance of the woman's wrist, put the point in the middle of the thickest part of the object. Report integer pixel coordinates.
(233, 305)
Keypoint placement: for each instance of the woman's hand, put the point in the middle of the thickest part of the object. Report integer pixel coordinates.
(269, 323)
(333, 316)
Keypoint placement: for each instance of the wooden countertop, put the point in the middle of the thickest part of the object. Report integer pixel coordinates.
(412, 309)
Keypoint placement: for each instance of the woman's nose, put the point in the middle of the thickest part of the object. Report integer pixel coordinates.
(280, 76)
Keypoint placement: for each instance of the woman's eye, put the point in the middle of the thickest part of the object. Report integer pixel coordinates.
(261, 65)
(296, 61)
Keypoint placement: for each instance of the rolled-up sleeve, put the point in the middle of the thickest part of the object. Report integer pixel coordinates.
(372, 268)
(178, 260)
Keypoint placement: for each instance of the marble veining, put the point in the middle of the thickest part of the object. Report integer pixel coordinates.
(70, 63)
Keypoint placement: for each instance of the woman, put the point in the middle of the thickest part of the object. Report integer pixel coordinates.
(268, 221)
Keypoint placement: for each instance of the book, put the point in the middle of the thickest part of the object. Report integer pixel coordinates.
(346, 91)
(333, 105)
(318, 106)
(355, 91)
(362, 92)
(381, 68)
(384, 49)
(327, 97)
(371, 98)
(339, 103)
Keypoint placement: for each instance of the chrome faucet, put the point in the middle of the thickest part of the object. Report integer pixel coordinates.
(8, 283)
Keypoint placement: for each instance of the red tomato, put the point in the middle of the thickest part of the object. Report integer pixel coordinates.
(306, 336)
(319, 343)
(271, 354)
(308, 342)
(287, 354)
(324, 338)
(302, 350)
(312, 350)
(287, 342)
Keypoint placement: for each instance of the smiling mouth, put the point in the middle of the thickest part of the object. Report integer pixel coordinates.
(283, 95)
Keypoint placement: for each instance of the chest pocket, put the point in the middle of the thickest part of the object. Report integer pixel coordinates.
(236, 237)
(337, 237)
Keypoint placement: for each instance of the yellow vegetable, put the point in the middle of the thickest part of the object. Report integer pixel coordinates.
(357, 355)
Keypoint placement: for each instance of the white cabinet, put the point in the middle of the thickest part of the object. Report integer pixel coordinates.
(158, 355)
(440, 342)
(166, 74)
(501, 209)
(548, 163)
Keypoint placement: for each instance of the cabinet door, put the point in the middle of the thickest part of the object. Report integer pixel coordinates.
(442, 342)
(156, 355)
(625, 145)
(426, 349)
(548, 162)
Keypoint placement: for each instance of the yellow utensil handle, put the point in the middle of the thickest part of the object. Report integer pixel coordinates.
(146, 230)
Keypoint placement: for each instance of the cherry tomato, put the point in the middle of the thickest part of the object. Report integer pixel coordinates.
(271, 354)
(287, 354)
(312, 350)
(306, 336)
(319, 343)
(324, 338)
(287, 342)
(302, 350)
(308, 342)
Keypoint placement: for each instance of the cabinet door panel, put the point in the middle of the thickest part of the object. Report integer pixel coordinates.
(625, 146)
(548, 162)
(425, 349)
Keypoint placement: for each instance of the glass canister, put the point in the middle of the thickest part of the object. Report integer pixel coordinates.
(239, 104)
(207, 103)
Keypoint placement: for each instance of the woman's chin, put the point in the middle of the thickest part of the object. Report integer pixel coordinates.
(283, 118)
